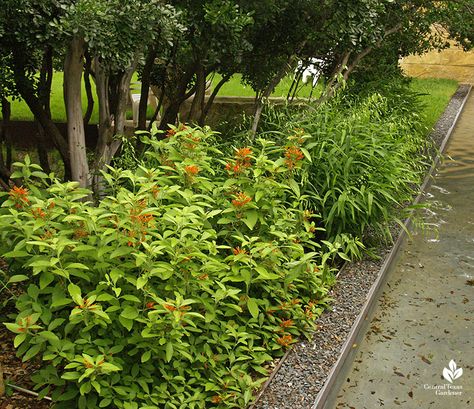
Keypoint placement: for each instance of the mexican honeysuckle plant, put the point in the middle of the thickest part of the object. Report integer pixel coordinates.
(178, 288)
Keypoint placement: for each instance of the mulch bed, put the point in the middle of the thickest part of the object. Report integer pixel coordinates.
(15, 371)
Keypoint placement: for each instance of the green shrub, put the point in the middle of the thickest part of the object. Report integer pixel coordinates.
(174, 291)
(368, 155)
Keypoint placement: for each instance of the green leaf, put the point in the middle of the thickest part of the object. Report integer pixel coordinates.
(105, 402)
(146, 356)
(13, 327)
(79, 266)
(294, 186)
(48, 335)
(56, 323)
(31, 352)
(121, 251)
(306, 154)
(75, 293)
(60, 302)
(19, 339)
(252, 307)
(17, 278)
(46, 278)
(251, 219)
(69, 376)
(129, 312)
(264, 274)
(169, 351)
(41, 263)
(141, 281)
(127, 323)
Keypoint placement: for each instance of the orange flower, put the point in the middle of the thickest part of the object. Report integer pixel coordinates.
(87, 364)
(154, 191)
(293, 155)
(150, 305)
(170, 307)
(170, 133)
(47, 235)
(203, 277)
(80, 233)
(237, 168)
(38, 213)
(19, 195)
(243, 157)
(241, 200)
(216, 399)
(243, 152)
(238, 250)
(191, 170)
(286, 323)
(285, 340)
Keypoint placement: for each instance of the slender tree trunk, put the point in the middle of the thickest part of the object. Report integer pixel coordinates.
(73, 68)
(158, 107)
(260, 99)
(145, 88)
(88, 87)
(212, 97)
(123, 91)
(44, 95)
(107, 146)
(106, 129)
(5, 163)
(197, 105)
(27, 92)
(172, 110)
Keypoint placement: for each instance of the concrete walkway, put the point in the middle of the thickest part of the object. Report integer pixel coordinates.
(424, 316)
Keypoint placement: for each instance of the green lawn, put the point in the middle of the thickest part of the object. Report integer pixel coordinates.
(437, 94)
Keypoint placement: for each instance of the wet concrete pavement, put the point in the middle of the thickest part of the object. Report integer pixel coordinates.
(424, 316)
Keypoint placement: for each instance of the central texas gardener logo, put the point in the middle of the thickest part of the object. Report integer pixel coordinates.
(452, 373)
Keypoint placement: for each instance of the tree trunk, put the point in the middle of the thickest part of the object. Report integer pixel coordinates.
(260, 99)
(105, 123)
(212, 97)
(5, 163)
(180, 95)
(44, 95)
(123, 91)
(87, 85)
(145, 89)
(197, 105)
(158, 107)
(27, 92)
(107, 146)
(73, 67)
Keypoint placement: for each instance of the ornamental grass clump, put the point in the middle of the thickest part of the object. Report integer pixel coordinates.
(368, 157)
(174, 291)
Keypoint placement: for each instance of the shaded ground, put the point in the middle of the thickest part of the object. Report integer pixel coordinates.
(15, 371)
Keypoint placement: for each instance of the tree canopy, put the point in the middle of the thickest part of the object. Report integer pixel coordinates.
(178, 45)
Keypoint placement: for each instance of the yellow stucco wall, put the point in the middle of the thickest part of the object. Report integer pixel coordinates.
(451, 63)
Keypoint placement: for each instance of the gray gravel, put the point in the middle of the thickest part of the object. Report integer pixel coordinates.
(302, 374)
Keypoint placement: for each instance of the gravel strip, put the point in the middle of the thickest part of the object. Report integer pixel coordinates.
(447, 117)
(303, 373)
